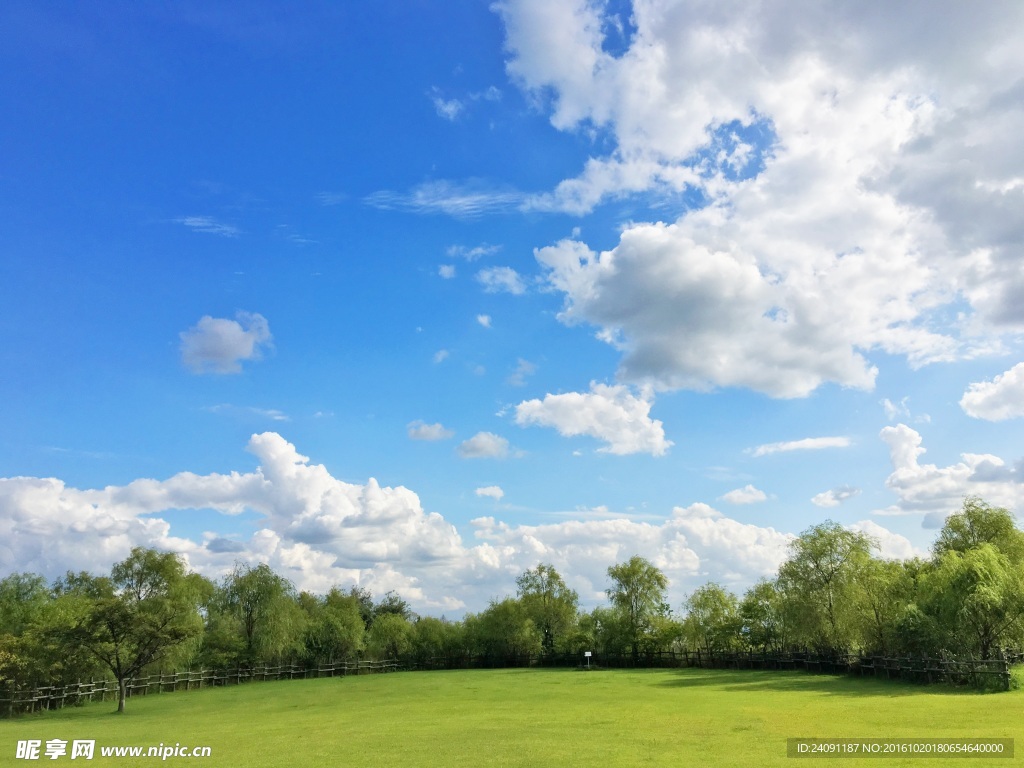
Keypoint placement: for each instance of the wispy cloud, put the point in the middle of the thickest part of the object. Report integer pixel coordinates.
(501, 280)
(472, 254)
(420, 430)
(209, 225)
(244, 410)
(460, 199)
(807, 444)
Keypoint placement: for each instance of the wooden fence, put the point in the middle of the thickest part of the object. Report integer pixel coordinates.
(981, 673)
(19, 701)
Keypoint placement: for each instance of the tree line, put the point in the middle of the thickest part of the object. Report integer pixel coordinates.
(832, 595)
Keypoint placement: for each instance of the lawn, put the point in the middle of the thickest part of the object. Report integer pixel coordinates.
(528, 718)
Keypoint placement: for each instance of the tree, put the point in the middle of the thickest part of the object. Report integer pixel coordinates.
(147, 607)
(979, 523)
(264, 605)
(503, 631)
(549, 603)
(334, 626)
(638, 594)
(712, 620)
(977, 600)
(764, 618)
(822, 577)
(390, 636)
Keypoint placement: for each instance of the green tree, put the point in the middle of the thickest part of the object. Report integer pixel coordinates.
(334, 626)
(979, 523)
(638, 594)
(821, 578)
(147, 607)
(390, 636)
(265, 607)
(504, 630)
(977, 600)
(764, 618)
(549, 603)
(712, 620)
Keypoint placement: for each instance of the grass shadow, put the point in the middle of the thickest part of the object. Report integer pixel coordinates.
(797, 681)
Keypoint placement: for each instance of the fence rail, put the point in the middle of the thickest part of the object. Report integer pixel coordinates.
(982, 673)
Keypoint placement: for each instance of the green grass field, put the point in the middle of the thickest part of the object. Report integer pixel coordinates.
(529, 718)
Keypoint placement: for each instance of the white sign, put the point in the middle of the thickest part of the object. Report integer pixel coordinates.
(586, 653)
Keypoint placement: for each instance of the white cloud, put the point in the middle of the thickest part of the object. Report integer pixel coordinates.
(459, 199)
(996, 400)
(523, 369)
(895, 410)
(449, 109)
(834, 497)
(441, 355)
(807, 444)
(266, 413)
(937, 492)
(320, 531)
(501, 280)
(219, 345)
(474, 253)
(491, 492)
(209, 226)
(418, 430)
(609, 413)
(748, 494)
(446, 271)
(891, 546)
(859, 184)
(484, 445)
(484, 320)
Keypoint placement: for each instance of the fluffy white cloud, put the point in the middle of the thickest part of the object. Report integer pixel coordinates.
(484, 445)
(609, 413)
(491, 492)
(834, 497)
(748, 494)
(937, 492)
(856, 173)
(484, 320)
(999, 399)
(419, 430)
(219, 345)
(806, 444)
(446, 271)
(501, 280)
(320, 531)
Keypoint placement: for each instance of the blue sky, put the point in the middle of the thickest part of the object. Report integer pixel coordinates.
(570, 280)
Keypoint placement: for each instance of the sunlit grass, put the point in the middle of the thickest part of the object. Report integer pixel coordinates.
(529, 718)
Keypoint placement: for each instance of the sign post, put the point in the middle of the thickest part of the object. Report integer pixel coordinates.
(587, 654)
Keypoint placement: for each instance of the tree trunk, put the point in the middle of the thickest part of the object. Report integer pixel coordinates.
(122, 691)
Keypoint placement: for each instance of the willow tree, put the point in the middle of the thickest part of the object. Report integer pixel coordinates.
(638, 595)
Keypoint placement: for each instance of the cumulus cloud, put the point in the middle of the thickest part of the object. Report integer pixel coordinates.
(484, 445)
(748, 494)
(501, 280)
(996, 400)
(854, 180)
(891, 546)
(491, 492)
(835, 497)
(806, 444)
(418, 430)
(609, 413)
(936, 492)
(220, 345)
(320, 531)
